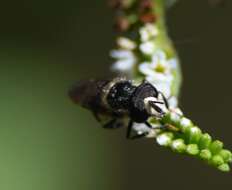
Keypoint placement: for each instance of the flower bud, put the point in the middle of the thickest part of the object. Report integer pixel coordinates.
(226, 155)
(205, 154)
(224, 167)
(178, 145)
(192, 149)
(185, 123)
(164, 139)
(216, 147)
(205, 141)
(195, 135)
(217, 160)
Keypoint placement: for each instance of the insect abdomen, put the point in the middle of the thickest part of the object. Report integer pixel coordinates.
(88, 93)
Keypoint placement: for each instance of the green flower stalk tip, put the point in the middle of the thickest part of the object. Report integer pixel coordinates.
(144, 51)
(224, 168)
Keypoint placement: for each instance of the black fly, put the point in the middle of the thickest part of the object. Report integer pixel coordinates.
(118, 101)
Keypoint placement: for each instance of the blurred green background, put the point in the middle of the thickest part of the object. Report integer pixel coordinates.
(47, 143)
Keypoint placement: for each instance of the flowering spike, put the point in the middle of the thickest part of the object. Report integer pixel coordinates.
(146, 53)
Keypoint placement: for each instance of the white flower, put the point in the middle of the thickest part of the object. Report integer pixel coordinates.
(164, 139)
(195, 130)
(148, 32)
(173, 102)
(123, 65)
(159, 72)
(147, 48)
(164, 88)
(121, 54)
(173, 63)
(175, 117)
(178, 145)
(125, 60)
(161, 63)
(126, 43)
(185, 122)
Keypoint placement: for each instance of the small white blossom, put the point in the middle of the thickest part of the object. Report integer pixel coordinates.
(121, 54)
(177, 111)
(162, 82)
(126, 43)
(163, 139)
(123, 65)
(148, 32)
(159, 72)
(175, 117)
(173, 63)
(125, 60)
(178, 145)
(185, 122)
(147, 48)
(161, 63)
(162, 87)
(195, 130)
(173, 102)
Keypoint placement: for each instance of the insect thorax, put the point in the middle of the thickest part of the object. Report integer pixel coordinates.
(119, 96)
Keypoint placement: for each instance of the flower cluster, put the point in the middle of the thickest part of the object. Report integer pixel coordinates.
(124, 56)
(145, 52)
(189, 139)
(157, 68)
(150, 61)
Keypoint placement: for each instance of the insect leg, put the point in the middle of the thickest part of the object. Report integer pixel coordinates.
(157, 127)
(112, 124)
(166, 127)
(129, 128)
(96, 116)
(165, 99)
(148, 125)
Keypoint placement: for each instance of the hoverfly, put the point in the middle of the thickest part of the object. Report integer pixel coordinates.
(119, 102)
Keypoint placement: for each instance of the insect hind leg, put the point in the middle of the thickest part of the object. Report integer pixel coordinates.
(112, 124)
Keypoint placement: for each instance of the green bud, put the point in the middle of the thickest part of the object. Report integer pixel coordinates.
(224, 167)
(205, 154)
(226, 155)
(174, 118)
(192, 149)
(166, 119)
(216, 147)
(217, 160)
(205, 141)
(185, 123)
(195, 135)
(178, 145)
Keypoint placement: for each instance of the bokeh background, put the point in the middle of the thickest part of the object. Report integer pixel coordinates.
(47, 143)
